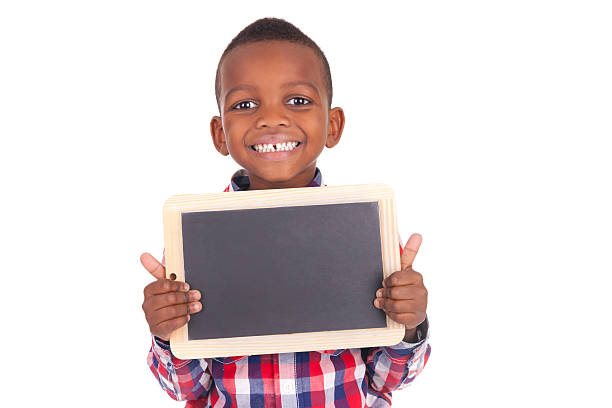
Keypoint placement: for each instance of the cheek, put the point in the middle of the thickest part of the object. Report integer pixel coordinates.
(233, 133)
(316, 128)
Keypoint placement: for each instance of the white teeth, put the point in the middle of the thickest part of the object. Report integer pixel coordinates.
(268, 147)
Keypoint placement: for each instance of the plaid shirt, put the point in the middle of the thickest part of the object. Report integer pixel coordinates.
(328, 378)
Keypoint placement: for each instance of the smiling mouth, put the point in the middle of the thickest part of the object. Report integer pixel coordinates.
(275, 147)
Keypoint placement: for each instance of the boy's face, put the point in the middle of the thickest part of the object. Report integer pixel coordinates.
(272, 92)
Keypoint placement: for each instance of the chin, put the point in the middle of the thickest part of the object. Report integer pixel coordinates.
(276, 176)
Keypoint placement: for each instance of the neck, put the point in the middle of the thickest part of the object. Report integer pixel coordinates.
(301, 180)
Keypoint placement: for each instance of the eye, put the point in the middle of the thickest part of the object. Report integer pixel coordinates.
(298, 100)
(244, 105)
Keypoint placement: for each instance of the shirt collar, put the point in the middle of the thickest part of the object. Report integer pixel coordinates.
(240, 180)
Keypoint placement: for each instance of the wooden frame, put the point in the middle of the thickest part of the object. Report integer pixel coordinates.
(283, 343)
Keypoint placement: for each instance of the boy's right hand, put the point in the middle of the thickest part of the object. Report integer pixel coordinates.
(167, 303)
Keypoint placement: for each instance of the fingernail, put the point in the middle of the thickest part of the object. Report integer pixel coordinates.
(379, 293)
(185, 287)
(194, 295)
(377, 303)
(197, 307)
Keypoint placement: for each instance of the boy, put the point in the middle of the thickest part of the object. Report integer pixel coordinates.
(274, 92)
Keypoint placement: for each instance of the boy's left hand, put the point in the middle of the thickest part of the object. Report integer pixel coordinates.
(404, 296)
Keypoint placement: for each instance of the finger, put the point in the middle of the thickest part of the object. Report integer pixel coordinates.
(153, 266)
(399, 293)
(164, 329)
(410, 320)
(164, 286)
(396, 306)
(404, 277)
(410, 250)
(172, 312)
(157, 302)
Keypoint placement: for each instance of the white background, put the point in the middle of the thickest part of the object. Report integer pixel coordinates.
(491, 120)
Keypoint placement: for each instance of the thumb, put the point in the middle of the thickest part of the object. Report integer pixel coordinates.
(410, 250)
(153, 266)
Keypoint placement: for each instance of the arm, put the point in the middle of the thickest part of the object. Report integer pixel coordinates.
(181, 379)
(395, 367)
(404, 299)
(167, 306)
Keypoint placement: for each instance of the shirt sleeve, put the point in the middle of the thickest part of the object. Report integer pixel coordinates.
(181, 379)
(392, 368)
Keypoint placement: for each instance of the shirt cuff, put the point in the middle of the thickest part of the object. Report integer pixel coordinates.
(162, 343)
(404, 349)
(161, 349)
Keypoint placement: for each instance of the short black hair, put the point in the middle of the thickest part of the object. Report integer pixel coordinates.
(270, 29)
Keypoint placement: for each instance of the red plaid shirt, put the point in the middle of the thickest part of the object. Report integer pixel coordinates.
(348, 378)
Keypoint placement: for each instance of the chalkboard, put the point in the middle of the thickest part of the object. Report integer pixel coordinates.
(283, 270)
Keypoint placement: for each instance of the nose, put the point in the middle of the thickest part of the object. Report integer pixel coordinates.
(272, 116)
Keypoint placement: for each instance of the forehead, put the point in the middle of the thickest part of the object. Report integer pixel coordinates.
(268, 64)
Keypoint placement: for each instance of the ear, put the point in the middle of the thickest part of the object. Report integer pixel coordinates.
(335, 126)
(218, 136)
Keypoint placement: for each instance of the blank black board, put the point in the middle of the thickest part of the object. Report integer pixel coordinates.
(284, 270)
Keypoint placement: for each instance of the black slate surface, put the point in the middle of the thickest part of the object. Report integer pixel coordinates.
(284, 270)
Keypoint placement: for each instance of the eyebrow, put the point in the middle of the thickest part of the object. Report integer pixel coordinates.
(305, 83)
(238, 88)
(285, 85)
